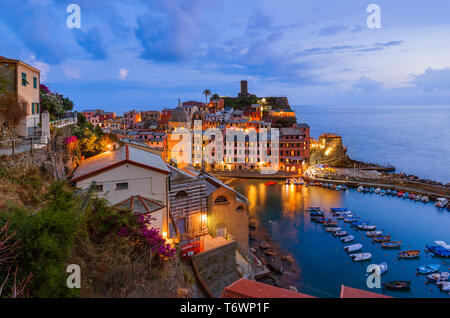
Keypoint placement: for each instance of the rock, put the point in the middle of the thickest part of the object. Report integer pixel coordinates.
(293, 288)
(276, 265)
(288, 258)
(182, 292)
(271, 253)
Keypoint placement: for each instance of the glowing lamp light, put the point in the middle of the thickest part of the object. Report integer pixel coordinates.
(204, 217)
(164, 234)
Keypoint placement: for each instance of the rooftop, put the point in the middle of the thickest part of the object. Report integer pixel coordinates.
(245, 288)
(111, 159)
(349, 292)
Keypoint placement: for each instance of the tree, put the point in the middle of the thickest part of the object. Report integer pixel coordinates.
(13, 108)
(47, 237)
(206, 92)
(54, 102)
(215, 96)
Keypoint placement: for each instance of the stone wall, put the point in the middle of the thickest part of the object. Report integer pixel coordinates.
(216, 268)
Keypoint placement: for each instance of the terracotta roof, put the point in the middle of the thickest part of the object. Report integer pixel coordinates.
(245, 288)
(139, 204)
(349, 292)
(110, 159)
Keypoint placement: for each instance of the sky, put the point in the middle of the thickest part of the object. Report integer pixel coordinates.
(145, 54)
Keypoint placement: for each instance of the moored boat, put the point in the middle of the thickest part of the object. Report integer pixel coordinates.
(391, 244)
(418, 197)
(388, 191)
(412, 196)
(347, 239)
(394, 192)
(441, 202)
(366, 190)
(428, 269)
(332, 229)
(425, 199)
(377, 190)
(340, 233)
(359, 257)
(374, 233)
(409, 254)
(400, 194)
(371, 189)
(367, 227)
(444, 286)
(382, 267)
(382, 238)
(288, 181)
(405, 195)
(383, 192)
(270, 183)
(353, 248)
(360, 189)
(438, 277)
(350, 219)
(397, 284)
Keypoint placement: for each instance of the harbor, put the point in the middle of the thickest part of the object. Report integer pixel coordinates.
(282, 209)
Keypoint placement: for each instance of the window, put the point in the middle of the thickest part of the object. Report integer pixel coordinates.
(122, 186)
(240, 208)
(221, 199)
(181, 194)
(98, 188)
(34, 82)
(24, 79)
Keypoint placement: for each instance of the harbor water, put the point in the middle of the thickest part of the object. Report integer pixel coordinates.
(324, 265)
(415, 139)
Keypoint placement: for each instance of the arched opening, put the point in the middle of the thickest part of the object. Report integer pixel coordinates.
(220, 200)
(240, 209)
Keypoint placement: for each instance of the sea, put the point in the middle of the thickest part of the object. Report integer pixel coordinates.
(415, 139)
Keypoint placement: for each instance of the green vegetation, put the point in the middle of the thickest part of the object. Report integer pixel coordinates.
(54, 102)
(91, 140)
(206, 92)
(240, 103)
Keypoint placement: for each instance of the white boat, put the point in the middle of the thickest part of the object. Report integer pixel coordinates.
(361, 257)
(377, 190)
(360, 189)
(374, 233)
(441, 202)
(353, 248)
(340, 233)
(367, 227)
(294, 181)
(333, 229)
(288, 181)
(347, 239)
(444, 286)
(425, 199)
(300, 181)
(382, 268)
(418, 197)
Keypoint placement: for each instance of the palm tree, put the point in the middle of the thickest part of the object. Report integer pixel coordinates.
(206, 92)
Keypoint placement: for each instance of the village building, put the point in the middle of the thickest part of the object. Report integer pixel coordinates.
(121, 174)
(24, 81)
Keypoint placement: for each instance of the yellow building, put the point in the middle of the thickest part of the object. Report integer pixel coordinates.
(23, 80)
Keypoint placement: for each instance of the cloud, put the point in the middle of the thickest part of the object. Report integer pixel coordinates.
(433, 81)
(91, 41)
(367, 86)
(123, 73)
(331, 30)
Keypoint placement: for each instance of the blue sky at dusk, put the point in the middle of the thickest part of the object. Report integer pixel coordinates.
(145, 54)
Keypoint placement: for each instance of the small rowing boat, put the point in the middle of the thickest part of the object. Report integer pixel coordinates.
(374, 233)
(382, 268)
(397, 284)
(340, 233)
(367, 227)
(438, 277)
(347, 239)
(382, 238)
(444, 286)
(270, 183)
(391, 244)
(332, 229)
(428, 269)
(353, 248)
(361, 257)
(409, 254)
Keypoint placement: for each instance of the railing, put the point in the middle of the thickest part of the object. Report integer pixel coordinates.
(19, 145)
(63, 122)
